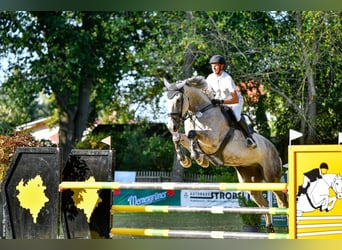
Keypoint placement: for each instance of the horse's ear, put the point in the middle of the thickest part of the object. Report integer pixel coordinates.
(167, 84)
(180, 84)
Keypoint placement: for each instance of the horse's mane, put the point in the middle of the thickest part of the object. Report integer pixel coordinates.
(201, 83)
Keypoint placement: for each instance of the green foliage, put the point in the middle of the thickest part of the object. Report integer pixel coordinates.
(135, 150)
(18, 104)
(95, 62)
(219, 173)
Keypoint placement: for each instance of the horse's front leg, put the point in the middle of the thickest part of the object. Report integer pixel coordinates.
(330, 203)
(321, 202)
(192, 136)
(199, 157)
(181, 157)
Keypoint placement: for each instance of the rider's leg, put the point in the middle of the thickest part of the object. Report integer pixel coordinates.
(304, 187)
(247, 133)
(243, 125)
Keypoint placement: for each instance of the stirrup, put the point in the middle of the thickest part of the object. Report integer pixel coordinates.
(251, 143)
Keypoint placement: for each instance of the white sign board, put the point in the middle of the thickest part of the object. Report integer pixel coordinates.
(124, 176)
(210, 198)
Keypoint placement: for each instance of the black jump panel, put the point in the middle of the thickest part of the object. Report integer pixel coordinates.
(30, 194)
(86, 217)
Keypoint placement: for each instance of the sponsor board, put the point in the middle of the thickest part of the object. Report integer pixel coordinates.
(210, 198)
(146, 197)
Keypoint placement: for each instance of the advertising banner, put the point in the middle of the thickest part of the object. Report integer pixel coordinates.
(136, 197)
(146, 197)
(210, 198)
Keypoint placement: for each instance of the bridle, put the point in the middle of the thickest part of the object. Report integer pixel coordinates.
(178, 116)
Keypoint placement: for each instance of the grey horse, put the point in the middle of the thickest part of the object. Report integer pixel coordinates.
(209, 138)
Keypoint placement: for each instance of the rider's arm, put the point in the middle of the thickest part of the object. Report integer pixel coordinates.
(234, 99)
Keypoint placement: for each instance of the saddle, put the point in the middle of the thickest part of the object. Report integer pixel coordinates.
(228, 113)
(231, 119)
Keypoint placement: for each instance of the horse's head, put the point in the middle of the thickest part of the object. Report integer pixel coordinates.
(337, 186)
(177, 105)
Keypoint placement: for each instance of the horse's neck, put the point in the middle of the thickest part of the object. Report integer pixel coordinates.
(328, 178)
(197, 99)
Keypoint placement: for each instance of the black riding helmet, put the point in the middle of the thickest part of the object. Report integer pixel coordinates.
(217, 59)
(324, 165)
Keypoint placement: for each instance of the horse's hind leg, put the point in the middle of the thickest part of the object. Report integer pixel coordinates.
(281, 199)
(260, 200)
(255, 174)
(280, 195)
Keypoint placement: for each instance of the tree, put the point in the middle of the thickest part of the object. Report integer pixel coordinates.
(77, 57)
(18, 105)
(91, 62)
(306, 59)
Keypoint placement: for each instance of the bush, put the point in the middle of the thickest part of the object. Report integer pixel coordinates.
(8, 145)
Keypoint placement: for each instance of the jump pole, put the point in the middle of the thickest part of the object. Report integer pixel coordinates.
(174, 186)
(196, 234)
(185, 209)
(189, 186)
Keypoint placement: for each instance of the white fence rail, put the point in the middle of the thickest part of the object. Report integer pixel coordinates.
(160, 176)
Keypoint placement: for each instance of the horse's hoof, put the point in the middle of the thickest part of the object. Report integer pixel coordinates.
(270, 229)
(205, 163)
(186, 163)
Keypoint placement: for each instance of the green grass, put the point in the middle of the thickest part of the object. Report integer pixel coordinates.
(179, 221)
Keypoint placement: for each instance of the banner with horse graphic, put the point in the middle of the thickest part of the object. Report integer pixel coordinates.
(318, 182)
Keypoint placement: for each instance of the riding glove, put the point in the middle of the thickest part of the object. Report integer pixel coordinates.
(216, 102)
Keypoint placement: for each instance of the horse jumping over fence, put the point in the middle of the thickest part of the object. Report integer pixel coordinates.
(317, 195)
(209, 138)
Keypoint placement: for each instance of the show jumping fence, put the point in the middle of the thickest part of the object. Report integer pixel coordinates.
(30, 166)
(190, 186)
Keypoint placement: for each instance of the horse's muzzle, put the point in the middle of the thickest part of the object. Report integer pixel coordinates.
(339, 195)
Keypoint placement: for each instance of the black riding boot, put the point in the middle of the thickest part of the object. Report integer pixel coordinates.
(247, 133)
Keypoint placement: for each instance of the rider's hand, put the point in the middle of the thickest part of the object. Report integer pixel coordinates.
(216, 102)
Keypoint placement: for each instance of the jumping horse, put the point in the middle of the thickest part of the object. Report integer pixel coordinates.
(211, 139)
(317, 195)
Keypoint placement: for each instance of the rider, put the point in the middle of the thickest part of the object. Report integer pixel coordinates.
(226, 93)
(312, 176)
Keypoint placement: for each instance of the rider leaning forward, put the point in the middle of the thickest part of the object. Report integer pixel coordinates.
(226, 94)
